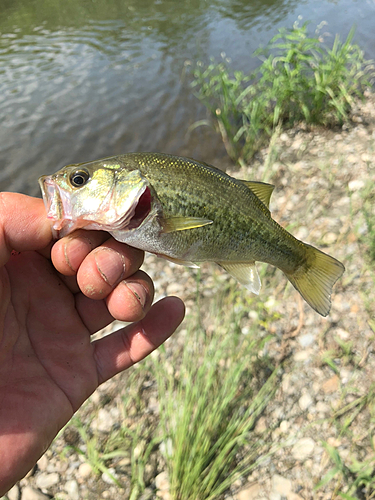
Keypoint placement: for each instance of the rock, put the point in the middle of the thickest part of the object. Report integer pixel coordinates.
(356, 184)
(71, 487)
(174, 288)
(107, 476)
(104, 421)
(14, 493)
(84, 470)
(29, 493)
(284, 426)
(249, 492)
(162, 485)
(303, 448)
(71, 436)
(42, 463)
(147, 494)
(45, 481)
(302, 355)
(306, 340)
(305, 401)
(125, 462)
(275, 496)
(322, 407)
(331, 385)
(281, 485)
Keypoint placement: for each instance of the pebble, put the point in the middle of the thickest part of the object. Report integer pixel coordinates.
(139, 449)
(162, 485)
(45, 481)
(42, 463)
(284, 426)
(303, 448)
(174, 288)
(250, 492)
(322, 407)
(29, 493)
(356, 184)
(331, 385)
(104, 421)
(302, 355)
(305, 401)
(107, 476)
(14, 493)
(147, 494)
(72, 488)
(275, 496)
(306, 340)
(84, 470)
(281, 485)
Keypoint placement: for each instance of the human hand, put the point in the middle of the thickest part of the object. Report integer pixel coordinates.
(48, 365)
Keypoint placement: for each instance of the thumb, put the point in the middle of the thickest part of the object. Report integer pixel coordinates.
(23, 224)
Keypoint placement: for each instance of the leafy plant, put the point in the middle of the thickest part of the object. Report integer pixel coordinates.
(300, 79)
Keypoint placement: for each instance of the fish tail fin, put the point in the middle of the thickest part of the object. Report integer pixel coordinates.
(315, 278)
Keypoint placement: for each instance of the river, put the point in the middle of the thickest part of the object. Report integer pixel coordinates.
(85, 79)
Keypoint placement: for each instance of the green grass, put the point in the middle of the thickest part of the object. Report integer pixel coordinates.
(210, 402)
(300, 79)
(368, 211)
(351, 478)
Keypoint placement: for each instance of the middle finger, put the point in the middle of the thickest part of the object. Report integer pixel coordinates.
(107, 265)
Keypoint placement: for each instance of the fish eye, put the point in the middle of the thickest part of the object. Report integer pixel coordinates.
(79, 177)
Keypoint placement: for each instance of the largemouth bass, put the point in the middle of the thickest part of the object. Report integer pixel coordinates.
(187, 212)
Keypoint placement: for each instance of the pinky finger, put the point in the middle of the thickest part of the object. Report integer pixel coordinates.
(131, 344)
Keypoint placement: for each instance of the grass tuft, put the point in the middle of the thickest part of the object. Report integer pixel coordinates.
(300, 80)
(209, 404)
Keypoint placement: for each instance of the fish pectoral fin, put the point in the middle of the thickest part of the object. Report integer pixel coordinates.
(262, 190)
(244, 272)
(183, 223)
(180, 262)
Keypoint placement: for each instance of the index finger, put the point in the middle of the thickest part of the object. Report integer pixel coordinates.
(23, 225)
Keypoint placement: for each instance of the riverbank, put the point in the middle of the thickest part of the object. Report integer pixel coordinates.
(321, 417)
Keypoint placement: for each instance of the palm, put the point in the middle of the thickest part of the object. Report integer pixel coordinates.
(48, 365)
(48, 356)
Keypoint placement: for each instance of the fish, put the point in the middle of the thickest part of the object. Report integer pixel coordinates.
(188, 212)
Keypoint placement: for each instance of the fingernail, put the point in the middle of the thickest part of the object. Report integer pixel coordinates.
(73, 251)
(138, 290)
(110, 264)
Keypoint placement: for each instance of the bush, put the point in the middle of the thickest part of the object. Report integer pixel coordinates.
(300, 79)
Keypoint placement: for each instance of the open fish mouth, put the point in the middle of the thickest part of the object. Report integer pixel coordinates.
(60, 210)
(56, 202)
(141, 210)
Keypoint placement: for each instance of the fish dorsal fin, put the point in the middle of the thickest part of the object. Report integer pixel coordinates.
(262, 190)
(183, 223)
(244, 272)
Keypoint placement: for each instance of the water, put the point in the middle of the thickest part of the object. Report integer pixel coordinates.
(85, 79)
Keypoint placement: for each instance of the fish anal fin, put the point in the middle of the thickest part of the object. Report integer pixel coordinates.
(180, 262)
(315, 278)
(245, 273)
(262, 190)
(183, 223)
